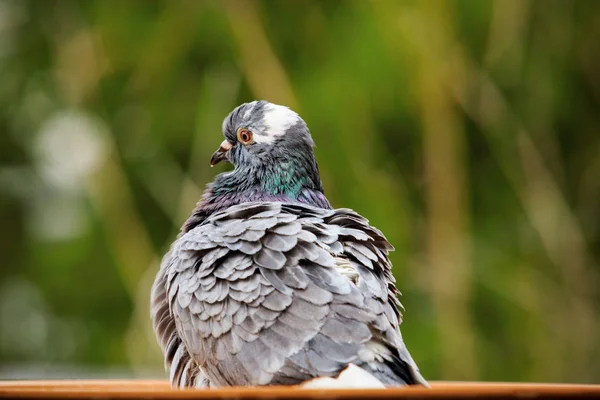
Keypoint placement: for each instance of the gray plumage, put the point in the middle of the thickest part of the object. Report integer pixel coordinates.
(268, 285)
(278, 310)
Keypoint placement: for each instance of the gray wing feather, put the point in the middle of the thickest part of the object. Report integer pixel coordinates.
(254, 296)
(184, 372)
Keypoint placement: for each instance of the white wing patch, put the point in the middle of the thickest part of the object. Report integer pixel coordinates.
(346, 269)
(277, 120)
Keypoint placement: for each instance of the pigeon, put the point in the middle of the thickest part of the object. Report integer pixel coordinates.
(267, 284)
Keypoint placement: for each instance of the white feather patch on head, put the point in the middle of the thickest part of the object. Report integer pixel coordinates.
(277, 119)
(249, 110)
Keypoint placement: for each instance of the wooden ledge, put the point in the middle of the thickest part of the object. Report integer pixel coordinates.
(140, 389)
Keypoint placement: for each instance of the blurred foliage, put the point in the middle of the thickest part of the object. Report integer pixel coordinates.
(468, 131)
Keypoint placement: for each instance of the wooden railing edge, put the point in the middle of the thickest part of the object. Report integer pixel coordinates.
(146, 389)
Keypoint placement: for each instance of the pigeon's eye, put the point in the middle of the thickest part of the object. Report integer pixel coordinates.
(244, 136)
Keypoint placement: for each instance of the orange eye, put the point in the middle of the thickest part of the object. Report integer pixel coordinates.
(244, 136)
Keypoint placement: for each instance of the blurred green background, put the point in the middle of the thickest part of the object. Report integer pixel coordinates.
(468, 131)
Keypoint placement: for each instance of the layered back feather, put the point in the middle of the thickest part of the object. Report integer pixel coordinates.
(269, 293)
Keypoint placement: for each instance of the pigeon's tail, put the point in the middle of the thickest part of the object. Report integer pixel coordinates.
(390, 374)
(371, 376)
(394, 367)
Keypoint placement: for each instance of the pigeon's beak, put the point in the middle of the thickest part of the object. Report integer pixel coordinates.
(221, 153)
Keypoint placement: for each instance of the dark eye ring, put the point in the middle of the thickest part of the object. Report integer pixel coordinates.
(244, 136)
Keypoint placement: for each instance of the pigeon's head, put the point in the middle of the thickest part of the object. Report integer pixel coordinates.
(271, 146)
(262, 132)
(272, 151)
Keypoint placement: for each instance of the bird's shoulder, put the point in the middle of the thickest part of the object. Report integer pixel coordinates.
(274, 234)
